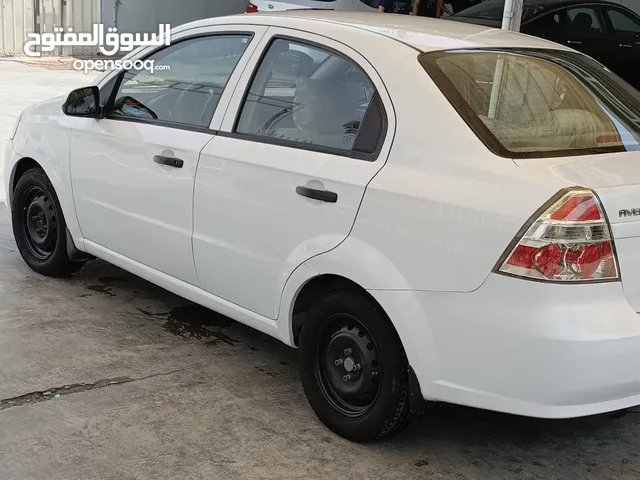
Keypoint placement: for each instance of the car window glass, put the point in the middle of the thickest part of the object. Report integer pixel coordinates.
(545, 101)
(583, 20)
(494, 10)
(623, 22)
(307, 95)
(546, 26)
(187, 84)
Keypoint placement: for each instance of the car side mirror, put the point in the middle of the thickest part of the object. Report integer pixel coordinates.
(83, 102)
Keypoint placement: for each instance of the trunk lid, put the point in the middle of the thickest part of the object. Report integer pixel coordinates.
(616, 180)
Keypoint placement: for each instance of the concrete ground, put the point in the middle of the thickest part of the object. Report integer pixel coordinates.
(23, 85)
(153, 387)
(104, 376)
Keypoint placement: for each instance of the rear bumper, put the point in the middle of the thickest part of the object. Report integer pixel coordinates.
(521, 347)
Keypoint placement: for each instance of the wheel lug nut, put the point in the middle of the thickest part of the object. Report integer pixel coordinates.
(347, 351)
(338, 362)
(346, 378)
(357, 367)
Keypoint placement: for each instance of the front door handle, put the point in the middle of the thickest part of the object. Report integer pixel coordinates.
(170, 161)
(317, 194)
(624, 45)
(574, 42)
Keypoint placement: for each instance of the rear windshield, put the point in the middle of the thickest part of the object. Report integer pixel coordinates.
(494, 10)
(538, 103)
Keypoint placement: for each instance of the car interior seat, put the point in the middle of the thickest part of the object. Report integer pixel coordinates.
(323, 114)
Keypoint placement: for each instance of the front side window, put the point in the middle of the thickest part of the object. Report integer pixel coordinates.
(623, 22)
(584, 21)
(306, 95)
(536, 103)
(187, 84)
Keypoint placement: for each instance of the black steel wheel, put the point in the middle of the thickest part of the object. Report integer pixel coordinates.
(39, 223)
(347, 365)
(39, 227)
(353, 366)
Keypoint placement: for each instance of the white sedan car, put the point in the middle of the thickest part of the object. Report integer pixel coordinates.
(427, 210)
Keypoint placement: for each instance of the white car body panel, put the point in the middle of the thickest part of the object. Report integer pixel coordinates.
(427, 232)
(43, 134)
(244, 262)
(153, 203)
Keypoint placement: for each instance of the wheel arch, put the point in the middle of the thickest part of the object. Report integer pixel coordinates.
(357, 264)
(21, 166)
(313, 289)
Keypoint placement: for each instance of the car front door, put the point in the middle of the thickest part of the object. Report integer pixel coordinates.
(282, 182)
(624, 43)
(133, 170)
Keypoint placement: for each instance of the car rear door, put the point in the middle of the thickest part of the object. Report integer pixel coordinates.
(284, 178)
(133, 171)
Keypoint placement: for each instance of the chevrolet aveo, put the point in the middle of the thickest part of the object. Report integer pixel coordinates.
(425, 209)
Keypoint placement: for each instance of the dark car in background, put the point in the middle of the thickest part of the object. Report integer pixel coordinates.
(606, 31)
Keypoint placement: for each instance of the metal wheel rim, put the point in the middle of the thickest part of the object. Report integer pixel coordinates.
(39, 223)
(347, 365)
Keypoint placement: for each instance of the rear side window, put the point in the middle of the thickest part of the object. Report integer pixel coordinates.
(623, 22)
(304, 96)
(538, 103)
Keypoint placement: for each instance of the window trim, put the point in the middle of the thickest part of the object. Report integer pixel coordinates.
(252, 137)
(483, 133)
(108, 106)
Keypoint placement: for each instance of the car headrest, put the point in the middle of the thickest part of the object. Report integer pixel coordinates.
(322, 106)
(583, 21)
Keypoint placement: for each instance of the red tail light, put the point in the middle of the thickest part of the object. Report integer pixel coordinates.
(569, 241)
(251, 8)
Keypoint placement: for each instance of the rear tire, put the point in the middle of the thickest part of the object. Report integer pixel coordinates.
(39, 226)
(354, 368)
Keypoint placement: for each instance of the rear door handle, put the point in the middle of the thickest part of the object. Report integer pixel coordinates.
(574, 42)
(317, 194)
(170, 161)
(623, 45)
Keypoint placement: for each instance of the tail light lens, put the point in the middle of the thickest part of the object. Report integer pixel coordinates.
(251, 8)
(570, 241)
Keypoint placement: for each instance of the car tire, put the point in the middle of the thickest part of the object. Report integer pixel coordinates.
(354, 368)
(39, 227)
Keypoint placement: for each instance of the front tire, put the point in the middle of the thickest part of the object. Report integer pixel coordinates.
(39, 226)
(354, 368)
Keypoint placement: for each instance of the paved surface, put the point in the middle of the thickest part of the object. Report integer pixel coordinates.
(22, 86)
(152, 387)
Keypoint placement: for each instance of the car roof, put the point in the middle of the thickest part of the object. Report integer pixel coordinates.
(421, 33)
